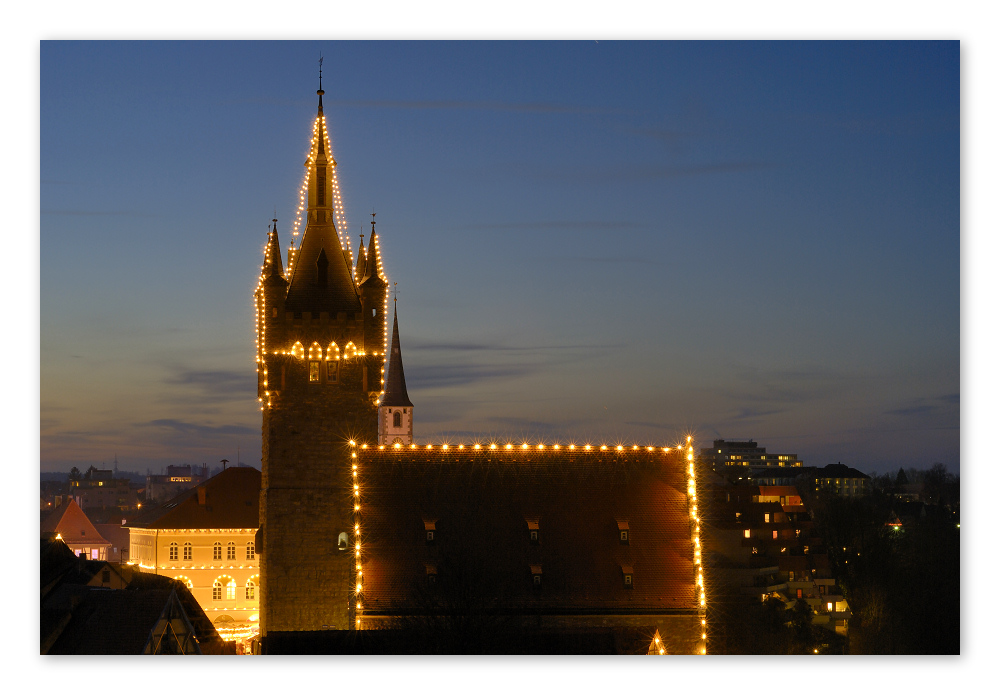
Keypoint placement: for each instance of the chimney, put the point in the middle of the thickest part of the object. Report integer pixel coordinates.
(201, 496)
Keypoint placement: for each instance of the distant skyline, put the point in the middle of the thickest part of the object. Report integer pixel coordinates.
(613, 241)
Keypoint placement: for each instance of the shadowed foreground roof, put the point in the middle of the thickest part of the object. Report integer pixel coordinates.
(480, 505)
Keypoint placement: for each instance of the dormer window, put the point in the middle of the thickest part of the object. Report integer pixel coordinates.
(627, 576)
(536, 575)
(533, 531)
(623, 532)
(430, 529)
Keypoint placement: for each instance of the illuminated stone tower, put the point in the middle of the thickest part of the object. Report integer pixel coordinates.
(395, 412)
(320, 357)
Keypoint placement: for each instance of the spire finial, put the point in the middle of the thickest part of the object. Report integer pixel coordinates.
(373, 219)
(394, 293)
(320, 91)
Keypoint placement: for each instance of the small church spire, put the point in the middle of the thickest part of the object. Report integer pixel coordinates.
(395, 382)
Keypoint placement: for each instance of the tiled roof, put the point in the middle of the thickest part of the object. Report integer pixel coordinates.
(481, 503)
(231, 500)
(70, 522)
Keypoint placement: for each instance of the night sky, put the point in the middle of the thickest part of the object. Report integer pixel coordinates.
(593, 241)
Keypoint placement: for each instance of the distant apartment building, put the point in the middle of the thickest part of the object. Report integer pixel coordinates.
(745, 453)
(160, 488)
(841, 480)
(101, 490)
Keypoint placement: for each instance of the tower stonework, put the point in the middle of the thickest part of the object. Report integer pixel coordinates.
(320, 357)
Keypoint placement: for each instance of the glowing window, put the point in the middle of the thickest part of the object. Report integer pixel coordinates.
(231, 551)
(187, 551)
(314, 371)
(217, 551)
(251, 590)
(746, 533)
(250, 553)
(173, 551)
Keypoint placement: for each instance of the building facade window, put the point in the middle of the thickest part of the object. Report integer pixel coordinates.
(224, 587)
(396, 419)
(746, 533)
(331, 372)
(231, 551)
(173, 551)
(250, 553)
(217, 551)
(314, 371)
(251, 590)
(188, 552)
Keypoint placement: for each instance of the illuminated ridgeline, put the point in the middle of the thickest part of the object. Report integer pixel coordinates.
(577, 536)
(359, 598)
(692, 491)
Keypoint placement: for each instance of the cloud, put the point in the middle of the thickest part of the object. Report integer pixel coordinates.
(228, 381)
(417, 345)
(189, 428)
(536, 107)
(925, 406)
(754, 413)
(782, 386)
(607, 259)
(436, 376)
(633, 174)
(97, 213)
(590, 224)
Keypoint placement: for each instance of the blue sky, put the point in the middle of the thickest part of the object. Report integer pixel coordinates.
(604, 241)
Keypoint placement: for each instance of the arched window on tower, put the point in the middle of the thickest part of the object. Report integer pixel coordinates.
(396, 419)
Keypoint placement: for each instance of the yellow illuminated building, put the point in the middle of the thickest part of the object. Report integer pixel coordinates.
(205, 538)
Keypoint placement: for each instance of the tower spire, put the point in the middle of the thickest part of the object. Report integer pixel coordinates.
(321, 276)
(320, 91)
(395, 383)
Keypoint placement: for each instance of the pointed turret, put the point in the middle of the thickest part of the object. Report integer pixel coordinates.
(321, 278)
(373, 262)
(272, 255)
(395, 411)
(359, 269)
(395, 382)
